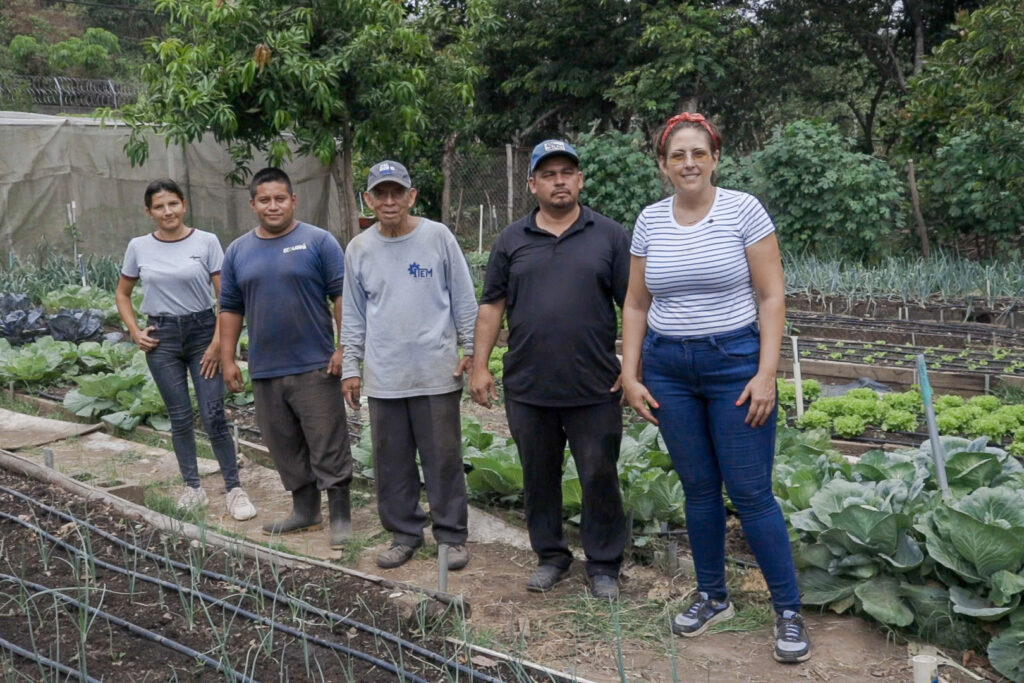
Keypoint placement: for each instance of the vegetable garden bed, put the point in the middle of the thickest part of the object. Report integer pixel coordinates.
(111, 598)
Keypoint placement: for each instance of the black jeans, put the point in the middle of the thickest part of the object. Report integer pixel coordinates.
(399, 428)
(183, 340)
(594, 433)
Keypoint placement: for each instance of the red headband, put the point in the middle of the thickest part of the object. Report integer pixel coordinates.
(691, 118)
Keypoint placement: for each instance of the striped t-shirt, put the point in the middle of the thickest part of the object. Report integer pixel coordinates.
(698, 274)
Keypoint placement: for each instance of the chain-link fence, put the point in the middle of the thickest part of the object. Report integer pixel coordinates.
(69, 94)
(488, 191)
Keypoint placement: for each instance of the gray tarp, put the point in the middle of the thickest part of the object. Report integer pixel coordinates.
(48, 161)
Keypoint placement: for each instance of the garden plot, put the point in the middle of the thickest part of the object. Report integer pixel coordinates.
(569, 631)
(115, 599)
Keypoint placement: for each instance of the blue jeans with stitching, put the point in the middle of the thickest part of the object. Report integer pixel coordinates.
(183, 340)
(696, 382)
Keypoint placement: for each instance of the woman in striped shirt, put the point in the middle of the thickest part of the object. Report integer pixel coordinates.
(705, 311)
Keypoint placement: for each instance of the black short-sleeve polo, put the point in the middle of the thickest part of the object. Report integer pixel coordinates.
(560, 295)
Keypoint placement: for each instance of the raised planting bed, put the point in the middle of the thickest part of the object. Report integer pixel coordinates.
(902, 332)
(91, 593)
(1005, 312)
(966, 371)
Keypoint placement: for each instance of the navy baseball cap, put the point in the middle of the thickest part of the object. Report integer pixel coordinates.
(549, 148)
(388, 172)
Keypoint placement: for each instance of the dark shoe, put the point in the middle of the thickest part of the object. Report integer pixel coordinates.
(791, 641)
(340, 512)
(305, 513)
(604, 587)
(458, 557)
(701, 614)
(545, 577)
(395, 556)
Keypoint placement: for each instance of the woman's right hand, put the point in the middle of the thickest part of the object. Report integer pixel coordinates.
(640, 400)
(144, 341)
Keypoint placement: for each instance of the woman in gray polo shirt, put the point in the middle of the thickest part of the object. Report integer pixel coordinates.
(180, 271)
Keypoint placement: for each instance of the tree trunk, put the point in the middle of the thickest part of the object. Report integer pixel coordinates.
(447, 163)
(915, 200)
(341, 171)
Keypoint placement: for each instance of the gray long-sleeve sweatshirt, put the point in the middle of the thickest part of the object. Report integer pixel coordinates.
(408, 302)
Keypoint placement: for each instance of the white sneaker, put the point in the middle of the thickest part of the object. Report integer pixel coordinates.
(239, 505)
(191, 498)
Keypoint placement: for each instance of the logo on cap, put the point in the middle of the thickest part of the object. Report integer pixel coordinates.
(554, 146)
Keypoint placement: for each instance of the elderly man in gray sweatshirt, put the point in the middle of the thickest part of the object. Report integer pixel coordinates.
(408, 303)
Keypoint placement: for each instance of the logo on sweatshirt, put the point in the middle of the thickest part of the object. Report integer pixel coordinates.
(297, 247)
(416, 271)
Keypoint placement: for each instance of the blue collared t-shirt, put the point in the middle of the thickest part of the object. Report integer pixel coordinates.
(282, 286)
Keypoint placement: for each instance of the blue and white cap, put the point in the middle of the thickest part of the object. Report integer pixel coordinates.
(549, 148)
(388, 172)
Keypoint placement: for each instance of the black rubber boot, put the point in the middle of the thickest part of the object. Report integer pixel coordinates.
(305, 513)
(340, 509)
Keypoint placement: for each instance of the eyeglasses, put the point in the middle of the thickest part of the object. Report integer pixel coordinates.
(699, 155)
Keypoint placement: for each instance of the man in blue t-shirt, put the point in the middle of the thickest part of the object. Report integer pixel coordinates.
(279, 277)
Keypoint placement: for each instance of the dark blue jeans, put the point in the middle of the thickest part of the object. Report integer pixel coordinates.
(183, 340)
(696, 382)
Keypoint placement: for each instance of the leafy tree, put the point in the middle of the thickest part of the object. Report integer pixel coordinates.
(620, 174)
(822, 195)
(974, 184)
(550, 65)
(850, 59)
(976, 75)
(689, 55)
(275, 76)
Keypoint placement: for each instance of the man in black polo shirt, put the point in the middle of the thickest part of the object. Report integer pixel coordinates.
(559, 271)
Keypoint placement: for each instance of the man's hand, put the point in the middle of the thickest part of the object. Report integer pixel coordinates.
(144, 341)
(233, 377)
(350, 390)
(481, 385)
(465, 365)
(334, 364)
(209, 365)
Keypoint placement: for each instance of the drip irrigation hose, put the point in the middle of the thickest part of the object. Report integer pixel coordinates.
(180, 648)
(288, 600)
(45, 661)
(295, 633)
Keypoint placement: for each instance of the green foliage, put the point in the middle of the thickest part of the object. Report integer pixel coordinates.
(897, 420)
(620, 174)
(53, 270)
(878, 538)
(91, 55)
(786, 391)
(820, 192)
(849, 425)
(815, 419)
(76, 296)
(42, 362)
(280, 78)
(686, 50)
(907, 401)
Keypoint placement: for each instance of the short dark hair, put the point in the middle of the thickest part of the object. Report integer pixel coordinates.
(162, 185)
(269, 175)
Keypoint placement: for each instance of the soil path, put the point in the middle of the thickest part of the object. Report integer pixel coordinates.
(563, 629)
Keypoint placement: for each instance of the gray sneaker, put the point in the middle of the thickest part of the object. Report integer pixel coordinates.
(395, 556)
(791, 641)
(700, 616)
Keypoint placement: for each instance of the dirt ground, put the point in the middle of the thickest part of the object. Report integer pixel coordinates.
(564, 629)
